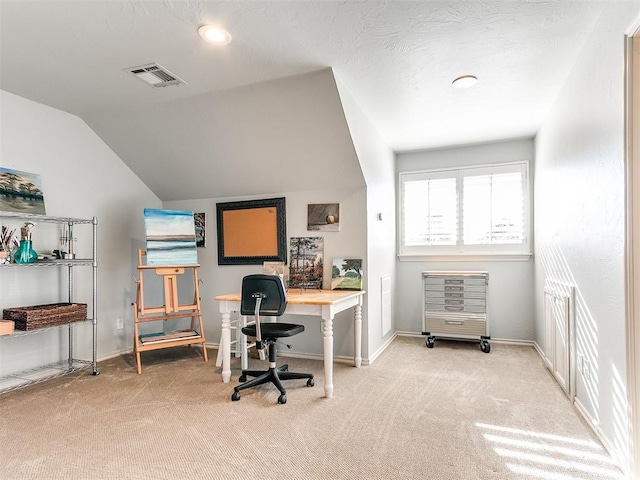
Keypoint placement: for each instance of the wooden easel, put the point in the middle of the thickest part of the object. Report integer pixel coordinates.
(171, 310)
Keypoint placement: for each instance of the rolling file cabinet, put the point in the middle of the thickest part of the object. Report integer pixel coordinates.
(454, 305)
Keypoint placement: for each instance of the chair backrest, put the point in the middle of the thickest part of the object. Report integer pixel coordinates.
(271, 288)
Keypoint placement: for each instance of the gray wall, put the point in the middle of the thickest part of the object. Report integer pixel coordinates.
(288, 134)
(350, 241)
(81, 177)
(377, 163)
(510, 301)
(579, 220)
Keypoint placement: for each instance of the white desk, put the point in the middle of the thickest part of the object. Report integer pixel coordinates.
(319, 303)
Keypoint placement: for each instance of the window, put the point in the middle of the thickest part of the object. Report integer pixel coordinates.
(480, 210)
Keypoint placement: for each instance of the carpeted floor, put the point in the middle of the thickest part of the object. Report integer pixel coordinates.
(451, 412)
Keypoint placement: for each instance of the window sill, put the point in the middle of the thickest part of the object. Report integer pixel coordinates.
(468, 257)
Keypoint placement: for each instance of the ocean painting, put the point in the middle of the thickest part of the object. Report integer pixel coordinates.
(171, 237)
(21, 192)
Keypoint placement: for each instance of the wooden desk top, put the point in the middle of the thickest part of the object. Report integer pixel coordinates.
(307, 297)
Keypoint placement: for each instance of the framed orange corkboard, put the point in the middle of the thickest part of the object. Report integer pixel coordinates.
(252, 232)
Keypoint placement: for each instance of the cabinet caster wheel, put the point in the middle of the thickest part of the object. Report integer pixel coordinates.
(310, 382)
(485, 346)
(430, 342)
(235, 396)
(242, 378)
(282, 399)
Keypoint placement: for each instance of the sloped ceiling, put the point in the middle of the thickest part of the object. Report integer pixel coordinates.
(282, 135)
(396, 58)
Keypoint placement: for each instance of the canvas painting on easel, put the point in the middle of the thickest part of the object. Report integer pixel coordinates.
(171, 237)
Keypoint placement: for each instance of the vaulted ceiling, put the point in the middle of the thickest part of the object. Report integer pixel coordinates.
(266, 97)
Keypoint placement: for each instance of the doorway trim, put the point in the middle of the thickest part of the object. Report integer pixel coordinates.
(632, 247)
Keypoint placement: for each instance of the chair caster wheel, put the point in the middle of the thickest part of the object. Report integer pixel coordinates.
(310, 382)
(282, 399)
(242, 378)
(235, 396)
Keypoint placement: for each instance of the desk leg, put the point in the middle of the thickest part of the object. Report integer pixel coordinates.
(357, 335)
(328, 357)
(226, 346)
(242, 341)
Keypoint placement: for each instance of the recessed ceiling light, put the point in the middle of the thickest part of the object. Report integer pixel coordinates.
(213, 34)
(464, 81)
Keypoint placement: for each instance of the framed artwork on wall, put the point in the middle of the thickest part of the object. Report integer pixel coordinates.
(307, 262)
(252, 232)
(200, 220)
(21, 192)
(346, 274)
(324, 217)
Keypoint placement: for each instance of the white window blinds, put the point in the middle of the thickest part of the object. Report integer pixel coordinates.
(431, 212)
(493, 209)
(483, 209)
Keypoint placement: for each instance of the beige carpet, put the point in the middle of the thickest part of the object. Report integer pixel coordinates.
(451, 412)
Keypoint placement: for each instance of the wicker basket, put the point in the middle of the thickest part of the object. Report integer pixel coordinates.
(42, 316)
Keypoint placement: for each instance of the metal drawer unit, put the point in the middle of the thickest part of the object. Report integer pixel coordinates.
(454, 305)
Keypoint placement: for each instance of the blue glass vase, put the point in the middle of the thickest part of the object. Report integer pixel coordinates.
(25, 253)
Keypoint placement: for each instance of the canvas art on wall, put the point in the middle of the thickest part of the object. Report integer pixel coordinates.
(21, 192)
(199, 220)
(171, 237)
(306, 262)
(346, 274)
(324, 217)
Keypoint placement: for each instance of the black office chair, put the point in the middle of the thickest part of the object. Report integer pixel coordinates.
(265, 295)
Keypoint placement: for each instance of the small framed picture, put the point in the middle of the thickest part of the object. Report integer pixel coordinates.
(200, 222)
(323, 217)
(21, 192)
(346, 274)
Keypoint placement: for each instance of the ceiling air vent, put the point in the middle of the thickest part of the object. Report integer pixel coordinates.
(155, 75)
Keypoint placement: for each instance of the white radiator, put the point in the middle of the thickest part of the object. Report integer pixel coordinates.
(455, 306)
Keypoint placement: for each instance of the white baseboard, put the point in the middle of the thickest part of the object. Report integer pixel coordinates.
(615, 455)
(313, 356)
(593, 425)
(382, 348)
(128, 351)
(320, 357)
(539, 350)
(510, 341)
(115, 354)
(542, 355)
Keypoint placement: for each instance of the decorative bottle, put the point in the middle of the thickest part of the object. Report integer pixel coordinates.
(25, 252)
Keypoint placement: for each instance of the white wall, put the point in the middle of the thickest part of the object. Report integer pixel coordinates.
(377, 163)
(350, 241)
(579, 218)
(82, 178)
(509, 297)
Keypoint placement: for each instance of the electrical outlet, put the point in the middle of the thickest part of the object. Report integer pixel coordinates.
(119, 323)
